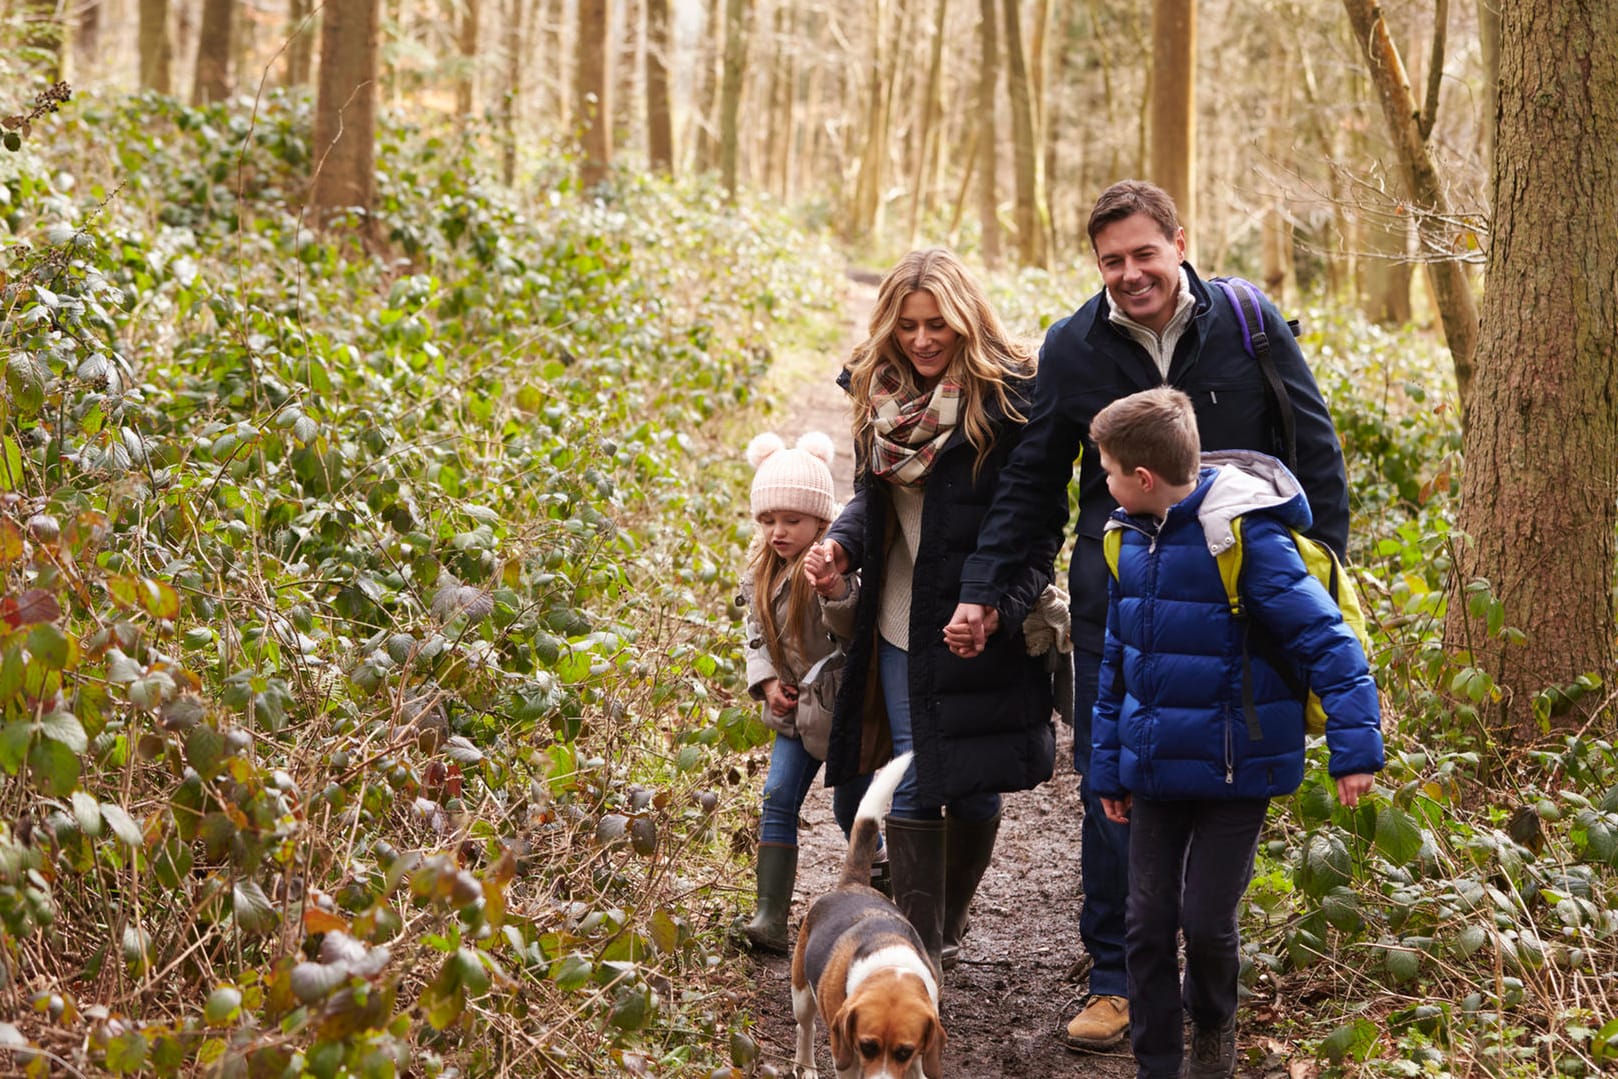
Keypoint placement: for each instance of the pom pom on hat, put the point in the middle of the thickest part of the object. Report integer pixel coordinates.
(795, 480)
(762, 446)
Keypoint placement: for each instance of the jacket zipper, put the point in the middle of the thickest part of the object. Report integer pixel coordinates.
(1230, 751)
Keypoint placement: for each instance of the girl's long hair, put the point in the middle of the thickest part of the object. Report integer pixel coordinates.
(985, 355)
(769, 569)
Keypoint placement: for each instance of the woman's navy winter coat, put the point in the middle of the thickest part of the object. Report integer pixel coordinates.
(1169, 722)
(981, 724)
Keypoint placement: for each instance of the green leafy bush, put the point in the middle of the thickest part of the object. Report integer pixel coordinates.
(362, 646)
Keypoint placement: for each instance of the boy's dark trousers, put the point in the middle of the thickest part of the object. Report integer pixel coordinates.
(1189, 863)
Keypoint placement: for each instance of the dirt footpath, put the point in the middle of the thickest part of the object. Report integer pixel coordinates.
(1004, 1003)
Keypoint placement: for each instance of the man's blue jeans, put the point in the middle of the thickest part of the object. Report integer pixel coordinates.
(792, 772)
(1103, 849)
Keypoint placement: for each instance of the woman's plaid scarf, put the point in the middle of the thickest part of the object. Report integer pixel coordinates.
(910, 426)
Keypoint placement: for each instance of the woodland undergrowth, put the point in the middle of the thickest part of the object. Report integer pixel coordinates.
(369, 685)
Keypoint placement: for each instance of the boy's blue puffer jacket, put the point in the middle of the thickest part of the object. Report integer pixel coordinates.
(1169, 721)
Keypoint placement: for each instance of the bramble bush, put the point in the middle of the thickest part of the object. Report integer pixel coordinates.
(363, 642)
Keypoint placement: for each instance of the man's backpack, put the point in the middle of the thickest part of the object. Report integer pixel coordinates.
(1244, 297)
(1323, 566)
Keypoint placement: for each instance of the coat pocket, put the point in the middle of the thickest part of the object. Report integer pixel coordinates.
(817, 703)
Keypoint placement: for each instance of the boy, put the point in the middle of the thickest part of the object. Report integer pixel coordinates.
(1172, 753)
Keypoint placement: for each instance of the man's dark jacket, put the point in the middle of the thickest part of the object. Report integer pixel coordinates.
(980, 725)
(1085, 365)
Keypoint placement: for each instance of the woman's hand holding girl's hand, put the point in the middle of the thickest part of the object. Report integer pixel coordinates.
(826, 563)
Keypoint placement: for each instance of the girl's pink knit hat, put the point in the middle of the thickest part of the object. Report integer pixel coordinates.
(793, 480)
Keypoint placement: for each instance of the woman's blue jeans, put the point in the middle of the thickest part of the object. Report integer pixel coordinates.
(792, 772)
(893, 666)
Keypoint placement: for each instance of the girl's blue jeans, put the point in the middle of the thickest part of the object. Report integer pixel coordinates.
(893, 665)
(792, 773)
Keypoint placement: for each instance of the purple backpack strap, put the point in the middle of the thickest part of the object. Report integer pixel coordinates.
(1244, 300)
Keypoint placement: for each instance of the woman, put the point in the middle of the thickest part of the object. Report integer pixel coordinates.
(938, 391)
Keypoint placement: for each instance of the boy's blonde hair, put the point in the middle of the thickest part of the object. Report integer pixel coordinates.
(1154, 429)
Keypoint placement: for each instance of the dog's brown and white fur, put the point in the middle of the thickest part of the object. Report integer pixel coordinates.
(861, 966)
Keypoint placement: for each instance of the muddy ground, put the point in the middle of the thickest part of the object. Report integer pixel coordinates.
(1020, 977)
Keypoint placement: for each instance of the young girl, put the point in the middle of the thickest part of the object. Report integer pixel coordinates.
(793, 658)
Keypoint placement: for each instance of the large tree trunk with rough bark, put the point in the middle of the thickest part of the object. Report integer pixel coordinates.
(1538, 497)
(1439, 233)
(156, 49)
(593, 110)
(1173, 153)
(345, 109)
(1033, 220)
(212, 77)
(659, 122)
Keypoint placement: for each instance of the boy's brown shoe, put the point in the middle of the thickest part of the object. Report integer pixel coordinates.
(1102, 1023)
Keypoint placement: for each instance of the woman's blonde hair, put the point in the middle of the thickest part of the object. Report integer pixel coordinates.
(984, 358)
(769, 569)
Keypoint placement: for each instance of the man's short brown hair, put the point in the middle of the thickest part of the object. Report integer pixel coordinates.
(1154, 429)
(1129, 197)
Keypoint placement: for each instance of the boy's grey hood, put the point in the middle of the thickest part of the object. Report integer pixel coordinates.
(1248, 481)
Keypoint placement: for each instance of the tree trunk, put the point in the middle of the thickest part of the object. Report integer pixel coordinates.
(1338, 249)
(593, 110)
(87, 41)
(988, 143)
(1489, 47)
(730, 91)
(515, 39)
(345, 110)
(1277, 228)
(875, 148)
(1033, 220)
(932, 110)
(1174, 106)
(212, 76)
(300, 32)
(659, 122)
(466, 41)
(626, 93)
(156, 52)
(1541, 476)
(712, 54)
(1439, 237)
(556, 97)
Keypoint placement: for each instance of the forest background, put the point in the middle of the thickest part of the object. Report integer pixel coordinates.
(370, 493)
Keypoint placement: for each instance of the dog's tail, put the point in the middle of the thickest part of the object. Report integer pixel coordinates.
(866, 837)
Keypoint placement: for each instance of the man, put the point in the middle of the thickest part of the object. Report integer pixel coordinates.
(1154, 323)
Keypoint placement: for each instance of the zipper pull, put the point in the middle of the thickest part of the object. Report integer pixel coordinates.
(1213, 397)
(1230, 775)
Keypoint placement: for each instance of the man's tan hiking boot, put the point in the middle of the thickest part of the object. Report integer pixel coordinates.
(1102, 1023)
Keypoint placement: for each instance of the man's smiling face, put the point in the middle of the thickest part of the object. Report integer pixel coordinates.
(1141, 268)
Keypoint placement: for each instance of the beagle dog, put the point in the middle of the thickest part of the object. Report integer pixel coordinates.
(864, 970)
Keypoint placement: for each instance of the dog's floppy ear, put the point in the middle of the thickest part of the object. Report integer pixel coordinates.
(841, 1032)
(932, 1053)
